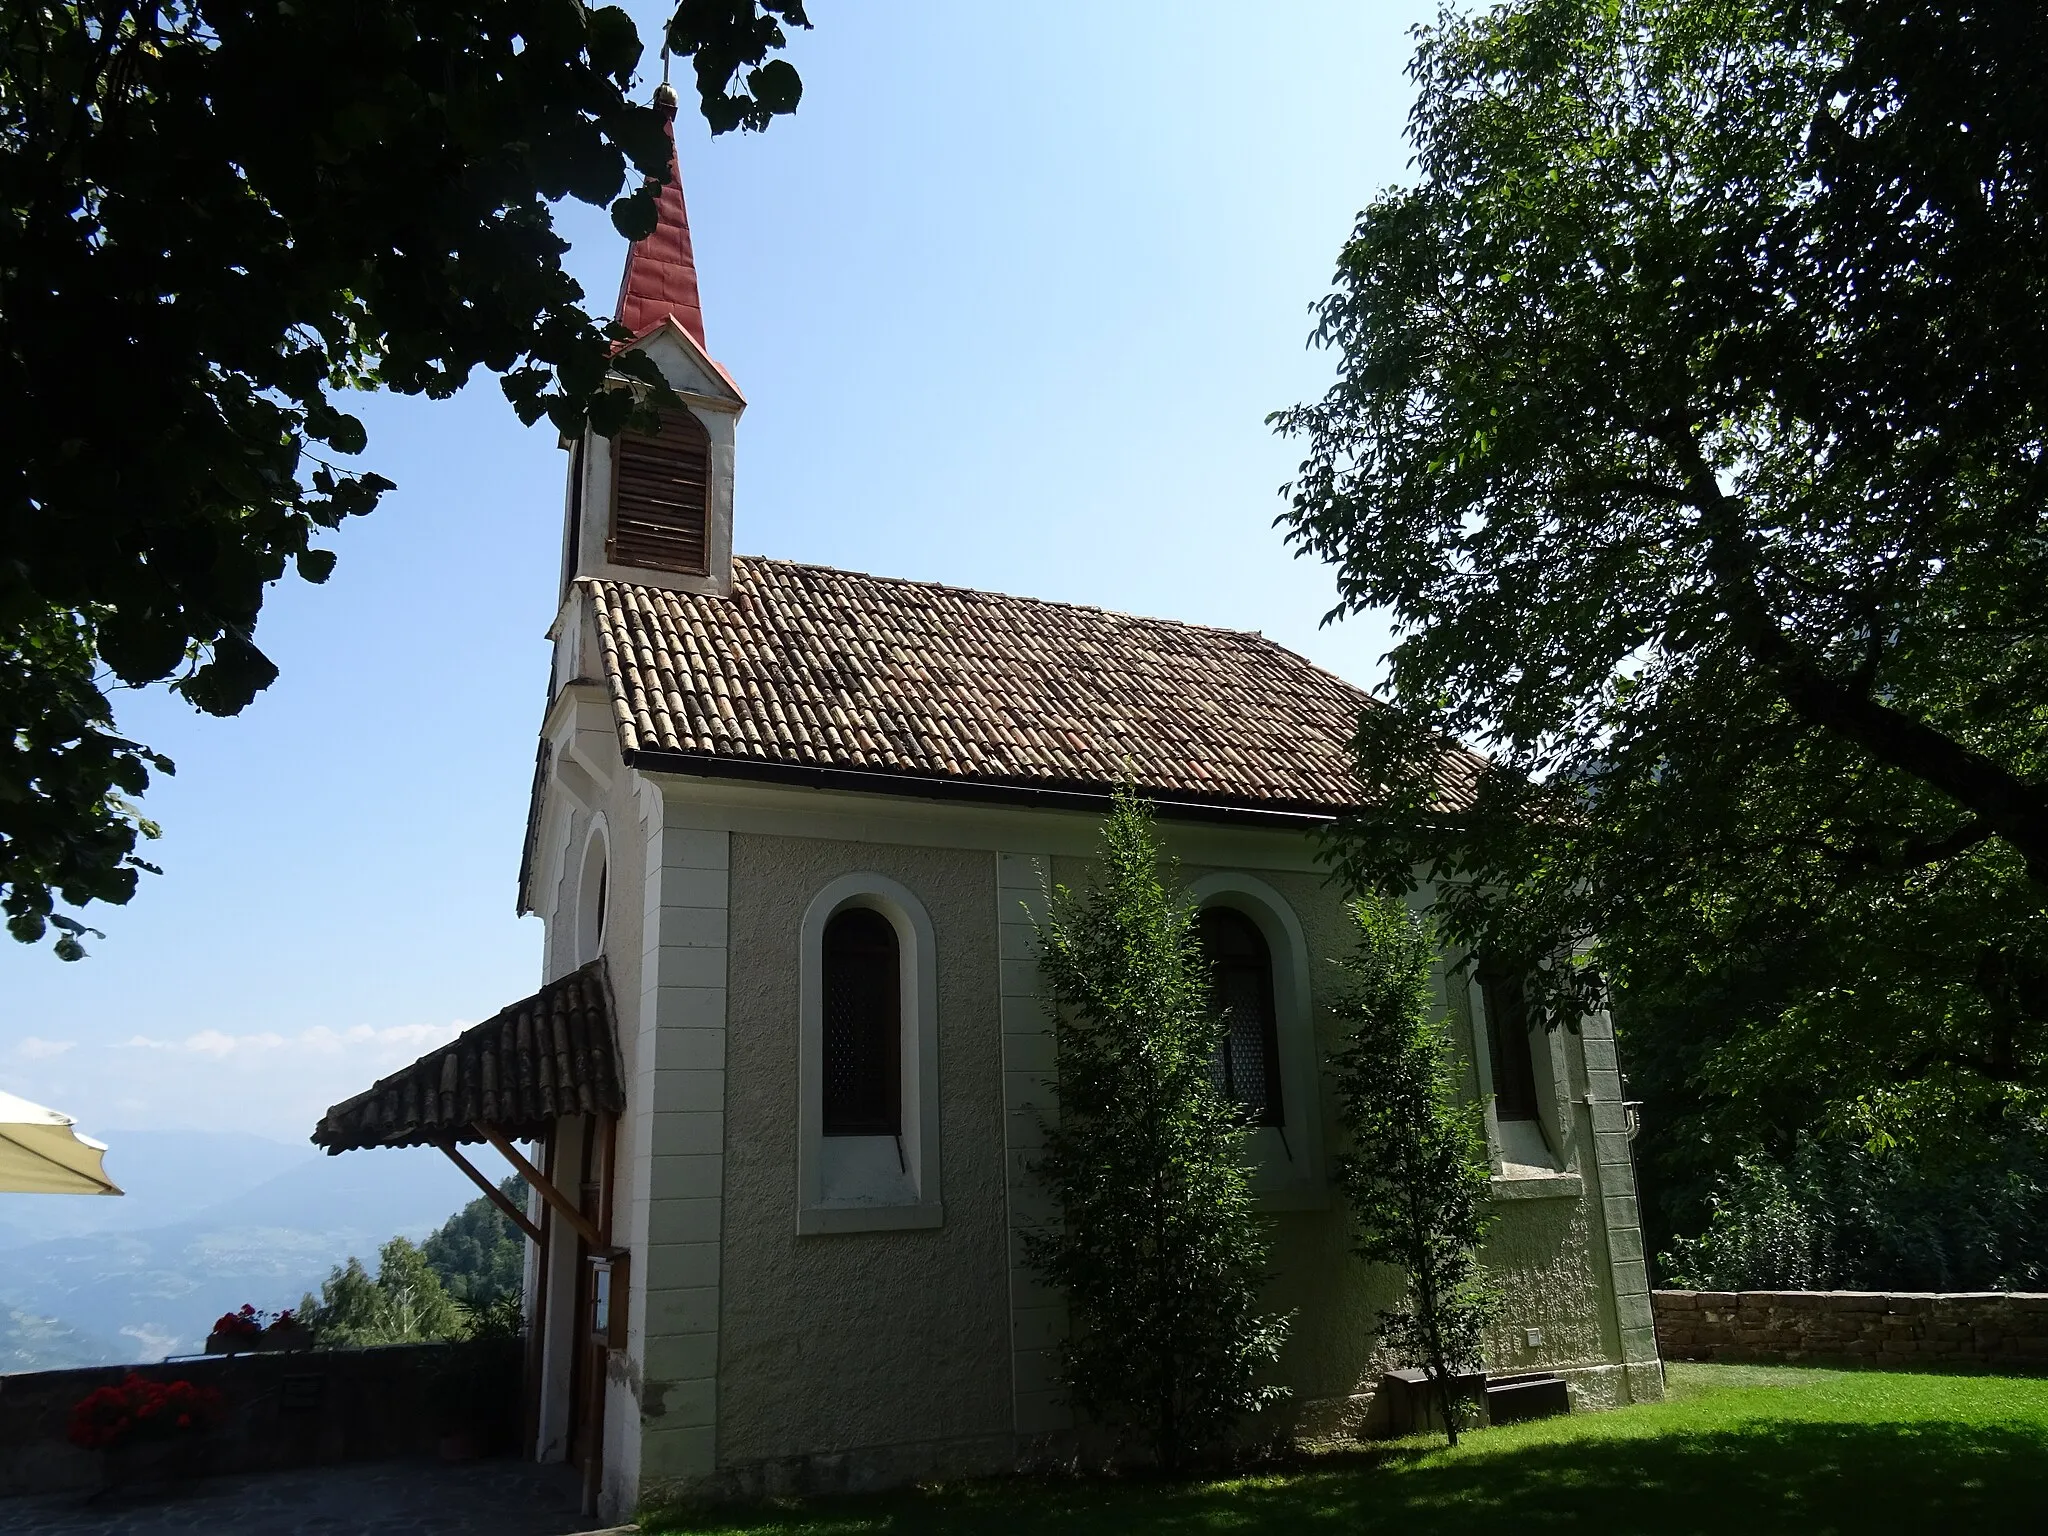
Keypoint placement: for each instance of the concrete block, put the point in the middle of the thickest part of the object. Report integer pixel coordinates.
(1036, 1370)
(688, 1090)
(675, 1454)
(1028, 1090)
(1018, 978)
(690, 1178)
(684, 1221)
(687, 1007)
(676, 1266)
(1042, 1413)
(680, 1357)
(1020, 871)
(689, 1404)
(686, 1309)
(686, 1133)
(688, 887)
(1634, 1312)
(1017, 941)
(691, 1048)
(696, 849)
(679, 967)
(1038, 1327)
(1025, 1016)
(1034, 1053)
(691, 927)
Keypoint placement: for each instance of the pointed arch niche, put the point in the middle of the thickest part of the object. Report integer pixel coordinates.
(593, 892)
(1288, 1145)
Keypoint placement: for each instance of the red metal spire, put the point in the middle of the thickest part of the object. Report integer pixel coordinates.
(661, 272)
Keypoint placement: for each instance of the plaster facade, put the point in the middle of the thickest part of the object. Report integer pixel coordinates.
(765, 1358)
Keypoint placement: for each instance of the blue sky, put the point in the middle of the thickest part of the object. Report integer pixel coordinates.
(1010, 297)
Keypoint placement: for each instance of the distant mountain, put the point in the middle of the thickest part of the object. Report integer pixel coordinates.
(165, 1176)
(218, 1220)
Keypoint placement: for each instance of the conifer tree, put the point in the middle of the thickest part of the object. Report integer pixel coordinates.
(1160, 1253)
(1416, 1172)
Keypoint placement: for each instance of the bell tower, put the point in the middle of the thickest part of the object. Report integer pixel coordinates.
(656, 508)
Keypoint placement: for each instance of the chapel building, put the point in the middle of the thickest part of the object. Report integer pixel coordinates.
(791, 827)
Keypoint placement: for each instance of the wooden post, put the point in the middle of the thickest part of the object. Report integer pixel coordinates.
(560, 1203)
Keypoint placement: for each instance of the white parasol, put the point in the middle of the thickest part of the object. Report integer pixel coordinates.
(40, 1153)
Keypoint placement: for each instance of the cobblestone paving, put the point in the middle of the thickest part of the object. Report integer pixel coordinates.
(392, 1498)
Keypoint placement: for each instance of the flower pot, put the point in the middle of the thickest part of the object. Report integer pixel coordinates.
(264, 1341)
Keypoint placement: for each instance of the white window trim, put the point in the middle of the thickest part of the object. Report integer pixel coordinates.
(1290, 1167)
(919, 992)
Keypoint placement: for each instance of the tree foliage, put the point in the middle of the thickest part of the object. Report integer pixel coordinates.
(217, 217)
(478, 1254)
(1837, 1216)
(1160, 1252)
(405, 1304)
(1416, 1173)
(1690, 426)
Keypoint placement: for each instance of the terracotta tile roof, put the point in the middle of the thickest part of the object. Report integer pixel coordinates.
(818, 668)
(549, 1055)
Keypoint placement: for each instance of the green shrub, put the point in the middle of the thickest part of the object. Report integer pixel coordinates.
(1160, 1253)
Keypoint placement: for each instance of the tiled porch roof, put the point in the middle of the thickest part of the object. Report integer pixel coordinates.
(549, 1055)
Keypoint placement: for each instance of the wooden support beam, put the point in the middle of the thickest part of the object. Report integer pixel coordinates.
(491, 1191)
(561, 1203)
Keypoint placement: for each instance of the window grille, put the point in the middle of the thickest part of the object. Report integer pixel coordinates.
(863, 1026)
(1247, 1065)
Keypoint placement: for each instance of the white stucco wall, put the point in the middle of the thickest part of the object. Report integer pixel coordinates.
(762, 1359)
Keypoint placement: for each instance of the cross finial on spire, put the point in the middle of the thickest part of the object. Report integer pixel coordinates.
(660, 279)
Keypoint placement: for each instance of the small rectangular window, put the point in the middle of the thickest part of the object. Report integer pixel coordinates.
(1508, 1045)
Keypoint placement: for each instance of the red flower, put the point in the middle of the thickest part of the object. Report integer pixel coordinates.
(108, 1416)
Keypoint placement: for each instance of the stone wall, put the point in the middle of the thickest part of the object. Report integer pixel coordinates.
(294, 1409)
(2001, 1329)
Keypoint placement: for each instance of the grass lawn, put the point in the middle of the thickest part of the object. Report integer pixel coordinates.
(1738, 1449)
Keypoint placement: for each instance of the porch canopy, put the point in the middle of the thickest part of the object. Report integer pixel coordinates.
(506, 1080)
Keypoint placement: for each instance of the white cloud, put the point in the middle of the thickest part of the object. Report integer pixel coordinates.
(275, 1082)
(360, 1041)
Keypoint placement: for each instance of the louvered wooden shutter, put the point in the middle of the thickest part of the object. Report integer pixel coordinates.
(661, 496)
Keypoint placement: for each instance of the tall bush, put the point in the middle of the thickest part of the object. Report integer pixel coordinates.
(1416, 1172)
(1160, 1253)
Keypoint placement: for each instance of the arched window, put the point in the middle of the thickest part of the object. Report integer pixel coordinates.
(863, 1026)
(1241, 975)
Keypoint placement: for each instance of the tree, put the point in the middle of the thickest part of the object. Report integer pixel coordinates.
(1160, 1251)
(405, 1304)
(1416, 1174)
(1690, 426)
(478, 1254)
(222, 215)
